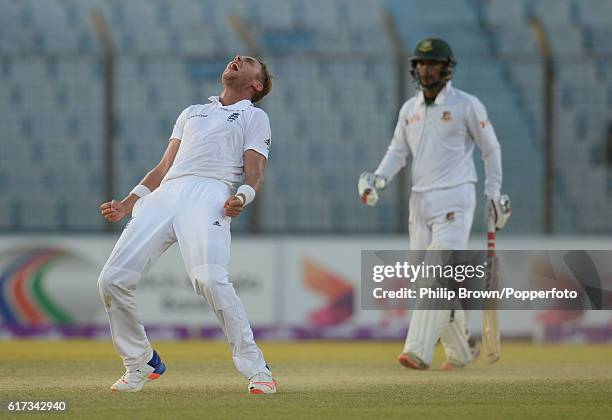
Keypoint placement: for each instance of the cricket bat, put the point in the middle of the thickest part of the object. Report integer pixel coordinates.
(491, 341)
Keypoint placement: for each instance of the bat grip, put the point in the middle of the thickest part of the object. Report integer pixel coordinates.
(491, 235)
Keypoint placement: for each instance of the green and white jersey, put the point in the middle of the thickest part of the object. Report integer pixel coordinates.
(441, 138)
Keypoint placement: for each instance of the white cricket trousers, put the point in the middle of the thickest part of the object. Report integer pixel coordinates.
(440, 219)
(187, 210)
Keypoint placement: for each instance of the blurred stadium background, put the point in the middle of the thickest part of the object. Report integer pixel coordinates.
(90, 89)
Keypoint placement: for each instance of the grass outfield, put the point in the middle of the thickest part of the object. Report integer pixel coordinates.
(316, 380)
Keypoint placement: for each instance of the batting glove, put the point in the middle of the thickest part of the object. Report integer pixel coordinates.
(368, 186)
(499, 210)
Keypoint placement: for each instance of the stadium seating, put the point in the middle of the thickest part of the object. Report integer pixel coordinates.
(579, 34)
(333, 107)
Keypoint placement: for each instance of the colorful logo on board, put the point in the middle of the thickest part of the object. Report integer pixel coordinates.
(337, 291)
(46, 286)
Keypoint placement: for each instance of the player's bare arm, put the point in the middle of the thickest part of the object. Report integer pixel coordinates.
(116, 210)
(254, 169)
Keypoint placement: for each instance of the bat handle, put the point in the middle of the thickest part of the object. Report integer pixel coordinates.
(490, 234)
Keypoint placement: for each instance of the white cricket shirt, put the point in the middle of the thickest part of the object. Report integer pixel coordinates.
(441, 138)
(214, 138)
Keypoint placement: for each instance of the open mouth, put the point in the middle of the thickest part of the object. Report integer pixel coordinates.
(234, 66)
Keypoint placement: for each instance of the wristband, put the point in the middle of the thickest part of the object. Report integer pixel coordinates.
(140, 190)
(248, 192)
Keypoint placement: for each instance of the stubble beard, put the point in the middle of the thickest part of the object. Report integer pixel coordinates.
(233, 83)
(433, 84)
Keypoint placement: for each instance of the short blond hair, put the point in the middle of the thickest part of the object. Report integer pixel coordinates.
(266, 80)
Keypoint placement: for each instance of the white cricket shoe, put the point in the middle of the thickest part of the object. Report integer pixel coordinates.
(133, 381)
(262, 383)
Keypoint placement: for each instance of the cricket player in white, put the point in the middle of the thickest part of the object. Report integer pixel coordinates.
(190, 198)
(440, 126)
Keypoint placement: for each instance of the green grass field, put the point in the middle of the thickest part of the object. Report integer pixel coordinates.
(316, 380)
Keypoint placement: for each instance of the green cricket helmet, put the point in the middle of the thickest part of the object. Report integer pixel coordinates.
(434, 49)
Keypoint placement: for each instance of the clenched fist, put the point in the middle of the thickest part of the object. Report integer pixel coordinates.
(114, 210)
(233, 206)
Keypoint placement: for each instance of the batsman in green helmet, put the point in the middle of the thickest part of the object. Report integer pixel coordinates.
(428, 54)
(440, 126)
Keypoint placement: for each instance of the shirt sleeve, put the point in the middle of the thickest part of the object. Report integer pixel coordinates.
(482, 132)
(177, 131)
(258, 134)
(398, 150)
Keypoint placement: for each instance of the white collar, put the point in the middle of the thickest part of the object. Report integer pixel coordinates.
(238, 106)
(440, 98)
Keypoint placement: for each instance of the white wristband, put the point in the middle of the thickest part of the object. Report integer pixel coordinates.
(248, 192)
(140, 190)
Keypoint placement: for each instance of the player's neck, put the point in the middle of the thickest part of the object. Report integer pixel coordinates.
(230, 96)
(431, 94)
